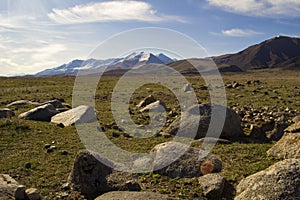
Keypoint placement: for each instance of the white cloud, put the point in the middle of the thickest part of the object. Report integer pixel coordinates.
(236, 32)
(261, 8)
(119, 10)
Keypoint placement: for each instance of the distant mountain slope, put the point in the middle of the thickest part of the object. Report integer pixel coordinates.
(271, 53)
(132, 61)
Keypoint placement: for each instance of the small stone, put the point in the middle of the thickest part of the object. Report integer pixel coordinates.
(66, 186)
(47, 146)
(51, 149)
(115, 134)
(20, 192)
(64, 153)
(28, 165)
(33, 194)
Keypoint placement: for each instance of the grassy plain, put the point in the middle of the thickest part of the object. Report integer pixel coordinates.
(23, 141)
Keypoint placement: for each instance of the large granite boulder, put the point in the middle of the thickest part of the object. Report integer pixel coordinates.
(287, 147)
(78, 115)
(8, 187)
(294, 128)
(6, 113)
(133, 195)
(175, 159)
(279, 181)
(191, 121)
(92, 177)
(41, 113)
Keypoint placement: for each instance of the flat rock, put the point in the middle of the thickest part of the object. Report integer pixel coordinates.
(279, 181)
(56, 103)
(287, 147)
(41, 113)
(191, 121)
(132, 195)
(78, 115)
(8, 187)
(6, 113)
(212, 185)
(184, 161)
(211, 140)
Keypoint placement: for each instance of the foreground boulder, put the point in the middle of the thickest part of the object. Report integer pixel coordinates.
(294, 128)
(287, 147)
(41, 113)
(92, 178)
(212, 185)
(8, 187)
(190, 122)
(280, 181)
(189, 164)
(78, 115)
(6, 113)
(133, 195)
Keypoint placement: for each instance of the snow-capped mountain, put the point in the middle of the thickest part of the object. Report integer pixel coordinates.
(132, 61)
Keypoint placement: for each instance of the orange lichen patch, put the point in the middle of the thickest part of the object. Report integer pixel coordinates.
(207, 167)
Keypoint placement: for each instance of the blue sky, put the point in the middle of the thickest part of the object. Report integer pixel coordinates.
(40, 34)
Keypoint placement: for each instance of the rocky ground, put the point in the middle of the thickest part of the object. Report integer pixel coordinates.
(40, 147)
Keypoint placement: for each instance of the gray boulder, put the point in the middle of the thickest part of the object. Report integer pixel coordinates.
(8, 186)
(212, 185)
(191, 121)
(78, 115)
(174, 159)
(279, 181)
(6, 113)
(41, 113)
(133, 195)
(91, 176)
(287, 147)
(33, 194)
(56, 103)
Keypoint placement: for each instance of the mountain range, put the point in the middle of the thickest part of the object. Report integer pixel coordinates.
(280, 52)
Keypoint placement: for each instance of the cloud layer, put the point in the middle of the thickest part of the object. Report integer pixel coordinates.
(109, 11)
(261, 8)
(236, 32)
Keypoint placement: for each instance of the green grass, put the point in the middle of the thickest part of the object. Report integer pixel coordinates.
(24, 141)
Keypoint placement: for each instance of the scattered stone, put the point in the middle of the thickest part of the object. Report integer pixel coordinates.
(66, 187)
(33, 194)
(133, 195)
(19, 103)
(56, 103)
(78, 115)
(187, 88)
(47, 146)
(20, 193)
(185, 161)
(191, 121)
(8, 122)
(115, 134)
(212, 185)
(279, 181)
(8, 187)
(41, 113)
(28, 165)
(211, 140)
(277, 132)
(64, 153)
(6, 113)
(148, 100)
(259, 131)
(158, 106)
(287, 147)
(51, 149)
